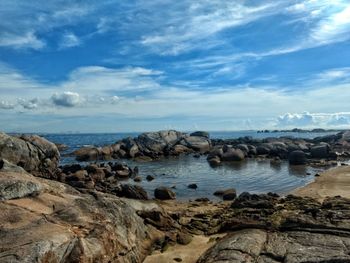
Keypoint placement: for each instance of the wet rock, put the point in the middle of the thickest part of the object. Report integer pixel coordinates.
(192, 186)
(86, 154)
(229, 194)
(133, 191)
(297, 158)
(320, 151)
(233, 155)
(138, 179)
(150, 178)
(214, 161)
(164, 193)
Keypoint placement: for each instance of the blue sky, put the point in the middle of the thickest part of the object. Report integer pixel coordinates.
(113, 66)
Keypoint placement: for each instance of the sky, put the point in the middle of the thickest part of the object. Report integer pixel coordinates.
(140, 65)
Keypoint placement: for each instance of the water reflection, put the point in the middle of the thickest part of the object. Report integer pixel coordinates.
(257, 176)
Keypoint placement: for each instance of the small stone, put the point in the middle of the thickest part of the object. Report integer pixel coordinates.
(150, 177)
(138, 179)
(177, 259)
(192, 186)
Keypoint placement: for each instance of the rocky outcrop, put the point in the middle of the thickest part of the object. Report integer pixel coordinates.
(148, 146)
(47, 221)
(31, 152)
(103, 177)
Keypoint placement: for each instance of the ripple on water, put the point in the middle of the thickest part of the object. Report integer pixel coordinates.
(255, 176)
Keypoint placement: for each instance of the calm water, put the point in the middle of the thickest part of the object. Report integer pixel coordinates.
(251, 175)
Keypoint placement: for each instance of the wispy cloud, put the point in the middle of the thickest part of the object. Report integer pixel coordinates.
(69, 39)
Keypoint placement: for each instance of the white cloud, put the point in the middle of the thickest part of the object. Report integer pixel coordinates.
(313, 120)
(29, 104)
(69, 39)
(335, 28)
(295, 119)
(66, 99)
(6, 105)
(186, 28)
(27, 40)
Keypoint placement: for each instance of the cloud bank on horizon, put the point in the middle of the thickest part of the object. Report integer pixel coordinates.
(146, 65)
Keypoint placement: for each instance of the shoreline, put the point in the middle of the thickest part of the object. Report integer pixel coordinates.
(332, 182)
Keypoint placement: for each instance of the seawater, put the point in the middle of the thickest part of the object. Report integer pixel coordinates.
(255, 176)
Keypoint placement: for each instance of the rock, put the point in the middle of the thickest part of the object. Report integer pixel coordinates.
(183, 238)
(264, 149)
(242, 246)
(180, 149)
(244, 148)
(150, 177)
(320, 151)
(133, 191)
(16, 183)
(197, 143)
(87, 154)
(197, 155)
(219, 192)
(200, 134)
(229, 194)
(214, 161)
(164, 193)
(61, 147)
(254, 201)
(63, 225)
(192, 186)
(138, 179)
(233, 155)
(297, 158)
(134, 150)
(71, 168)
(33, 153)
(216, 152)
(157, 141)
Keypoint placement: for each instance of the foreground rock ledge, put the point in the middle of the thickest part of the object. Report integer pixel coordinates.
(52, 222)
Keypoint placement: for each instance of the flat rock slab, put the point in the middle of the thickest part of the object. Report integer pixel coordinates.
(254, 245)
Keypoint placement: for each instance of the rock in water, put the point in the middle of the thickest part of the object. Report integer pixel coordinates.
(297, 158)
(164, 193)
(35, 154)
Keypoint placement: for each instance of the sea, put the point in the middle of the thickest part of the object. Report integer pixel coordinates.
(254, 176)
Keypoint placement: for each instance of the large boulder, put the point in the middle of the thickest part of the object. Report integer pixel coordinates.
(200, 134)
(60, 224)
(197, 143)
(320, 151)
(33, 153)
(233, 155)
(297, 158)
(157, 141)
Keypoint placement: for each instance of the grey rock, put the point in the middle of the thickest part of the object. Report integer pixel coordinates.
(164, 193)
(297, 158)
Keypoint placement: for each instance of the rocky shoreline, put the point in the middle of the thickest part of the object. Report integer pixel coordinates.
(81, 213)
